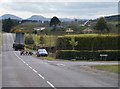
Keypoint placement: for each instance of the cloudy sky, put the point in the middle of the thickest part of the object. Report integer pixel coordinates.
(89, 9)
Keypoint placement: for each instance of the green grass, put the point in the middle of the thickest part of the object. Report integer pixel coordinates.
(50, 57)
(87, 35)
(109, 68)
(28, 26)
(50, 40)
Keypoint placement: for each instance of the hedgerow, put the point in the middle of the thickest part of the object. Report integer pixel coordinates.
(113, 55)
(89, 42)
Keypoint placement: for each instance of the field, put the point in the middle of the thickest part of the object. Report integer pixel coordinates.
(28, 26)
(109, 68)
(50, 40)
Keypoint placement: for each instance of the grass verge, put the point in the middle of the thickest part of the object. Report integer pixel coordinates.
(109, 68)
(50, 57)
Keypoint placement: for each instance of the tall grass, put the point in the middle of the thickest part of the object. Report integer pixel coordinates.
(50, 40)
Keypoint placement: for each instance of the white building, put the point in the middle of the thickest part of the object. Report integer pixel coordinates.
(39, 28)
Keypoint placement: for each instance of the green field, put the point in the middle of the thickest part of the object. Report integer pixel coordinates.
(50, 40)
(28, 26)
(109, 68)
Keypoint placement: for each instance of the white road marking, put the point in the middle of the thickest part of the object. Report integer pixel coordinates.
(34, 70)
(60, 64)
(50, 61)
(27, 64)
(41, 76)
(30, 67)
(51, 84)
(17, 56)
(21, 60)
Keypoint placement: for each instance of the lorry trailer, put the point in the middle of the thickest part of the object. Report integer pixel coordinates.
(19, 41)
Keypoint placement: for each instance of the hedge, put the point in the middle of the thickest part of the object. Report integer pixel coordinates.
(113, 55)
(90, 42)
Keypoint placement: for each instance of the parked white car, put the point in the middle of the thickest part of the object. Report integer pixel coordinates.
(42, 52)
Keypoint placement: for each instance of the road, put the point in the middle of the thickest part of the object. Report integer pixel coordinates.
(0, 55)
(27, 71)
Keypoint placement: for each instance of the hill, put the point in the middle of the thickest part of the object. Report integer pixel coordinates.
(37, 18)
(6, 16)
(113, 18)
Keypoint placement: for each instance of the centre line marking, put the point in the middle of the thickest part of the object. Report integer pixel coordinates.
(41, 76)
(17, 56)
(27, 64)
(30, 67)
(51, 84)
(34, 70)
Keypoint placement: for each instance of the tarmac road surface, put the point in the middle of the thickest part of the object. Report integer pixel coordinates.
(27, 71)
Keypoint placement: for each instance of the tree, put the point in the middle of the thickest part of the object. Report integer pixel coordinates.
(54, 22)
(101, 25)
(73, 43)
(8, 24)
(118, 27)
(42, 40)
(29, 40)
(34, 32)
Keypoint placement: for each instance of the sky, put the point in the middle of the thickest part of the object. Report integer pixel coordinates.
(89, 9)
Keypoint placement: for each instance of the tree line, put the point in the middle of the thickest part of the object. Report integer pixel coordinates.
(8, 24)
(101, 25)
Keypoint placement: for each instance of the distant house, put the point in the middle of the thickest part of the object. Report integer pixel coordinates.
(87, 30)
(86, 23)
(69, 30)
(39, 28)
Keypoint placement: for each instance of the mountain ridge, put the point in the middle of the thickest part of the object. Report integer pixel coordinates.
(33, 17)
(6, 16)
(37, 17)
(42, 18)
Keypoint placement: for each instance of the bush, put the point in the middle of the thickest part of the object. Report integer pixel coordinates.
(113, 55)
(42, 41)
(29, 40)
(89, 42)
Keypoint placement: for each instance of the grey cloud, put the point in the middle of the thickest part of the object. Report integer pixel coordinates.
(71, 8)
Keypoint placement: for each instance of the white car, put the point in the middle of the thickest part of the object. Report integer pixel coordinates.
(42, 52)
